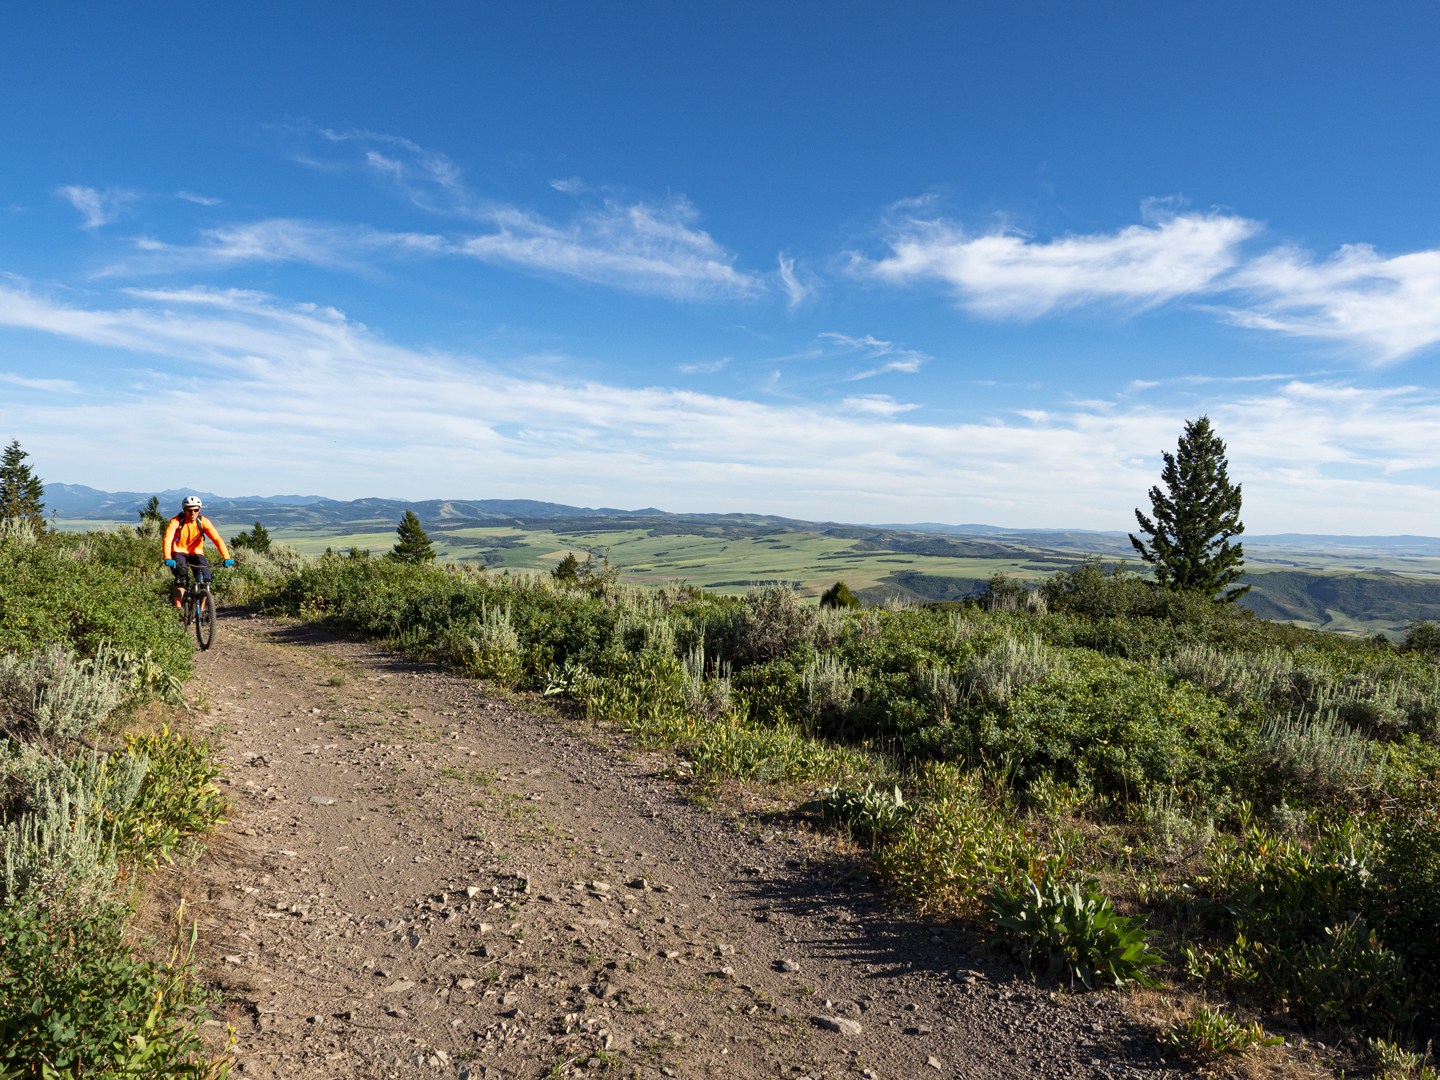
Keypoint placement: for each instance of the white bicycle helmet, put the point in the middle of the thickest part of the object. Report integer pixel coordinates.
(192, 502)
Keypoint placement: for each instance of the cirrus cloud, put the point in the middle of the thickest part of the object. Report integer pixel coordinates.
(643, 248)
(98, 207)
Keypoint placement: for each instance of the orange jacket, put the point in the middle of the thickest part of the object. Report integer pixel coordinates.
(190, 539)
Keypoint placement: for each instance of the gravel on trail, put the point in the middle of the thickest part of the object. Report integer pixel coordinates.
(422, 877)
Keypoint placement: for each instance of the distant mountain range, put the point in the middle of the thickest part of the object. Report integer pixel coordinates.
(88, 504)
(76, 501)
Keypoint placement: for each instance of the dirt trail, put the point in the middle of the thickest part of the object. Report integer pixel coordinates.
(423, 879)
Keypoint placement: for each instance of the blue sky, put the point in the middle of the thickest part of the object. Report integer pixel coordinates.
(840, 261)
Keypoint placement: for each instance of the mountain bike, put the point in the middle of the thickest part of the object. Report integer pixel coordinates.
(197, 608)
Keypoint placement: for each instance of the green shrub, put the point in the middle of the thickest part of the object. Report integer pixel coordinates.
(839, 596)
(1350, 980)
(74, 1002)
(61, 847)
(1407, 885)
(648, 699)
(1393, 1062)
(957, 846)
(1424, 638)
(1094, 590)
(1345, 928)
(781, 752)
(1211, 1032)
(177, 800)
(1283, 894)
(88, 593)
(770, 624)
(1119, 728)
(829, 686)
(1317, 759)
(1072, 931)
(995, 675)
(874, 813)
(54, 697)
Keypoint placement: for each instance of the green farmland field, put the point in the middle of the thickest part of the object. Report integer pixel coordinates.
(810, 562)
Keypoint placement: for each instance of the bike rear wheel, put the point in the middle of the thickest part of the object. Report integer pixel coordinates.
(205, 619)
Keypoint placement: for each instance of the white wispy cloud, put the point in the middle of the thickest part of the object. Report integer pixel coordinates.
(1388, 307)
(295, 397)
(649, 247)
(885, 357)
(49, 386)
(1192, 379)
(570, 185)
(637, 248)
(796, 290)
(1006, 274)
(876, 405)
(426, 178)
(704, 367)
(98, 207)
(354, 248)
(642, 248)
(199, 200)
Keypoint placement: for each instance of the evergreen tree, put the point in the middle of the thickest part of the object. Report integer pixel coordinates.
(256, 539)
(413, 546)
(839, 596)
(150, 514)
(21, 492)
(1195, 517)
(567, 570)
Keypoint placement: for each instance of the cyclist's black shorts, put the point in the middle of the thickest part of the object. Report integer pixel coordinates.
(183, 562)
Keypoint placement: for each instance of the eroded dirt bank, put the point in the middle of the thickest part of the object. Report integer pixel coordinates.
(421, 878)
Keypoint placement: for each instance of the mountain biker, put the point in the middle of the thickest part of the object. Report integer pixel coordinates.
(184, 545)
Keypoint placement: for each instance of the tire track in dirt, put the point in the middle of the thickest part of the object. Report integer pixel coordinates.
(422, 878)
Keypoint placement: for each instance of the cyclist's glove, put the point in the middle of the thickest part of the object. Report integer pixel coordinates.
(170, 563)
(228, 563)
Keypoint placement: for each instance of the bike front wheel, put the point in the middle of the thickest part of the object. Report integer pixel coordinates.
(205, 620)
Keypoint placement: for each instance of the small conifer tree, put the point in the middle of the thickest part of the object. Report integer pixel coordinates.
(150, 513)
(567, 570)
(21, 492)
(1195, 518)
(414, 545)
(256, 539)
(839, 596)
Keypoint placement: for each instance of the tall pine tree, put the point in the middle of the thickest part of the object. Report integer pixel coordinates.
(1195, 518)
(414, 545)
(21, 492)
